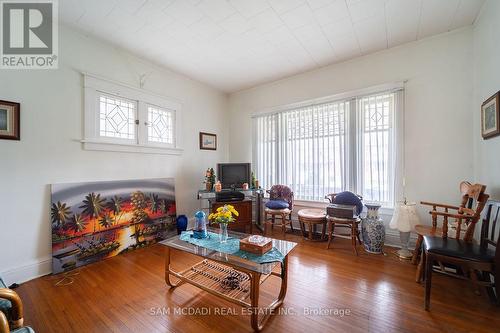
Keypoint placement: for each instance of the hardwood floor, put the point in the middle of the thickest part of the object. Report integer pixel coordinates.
(128, 294)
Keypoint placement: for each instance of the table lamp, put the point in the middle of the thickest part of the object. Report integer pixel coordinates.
(404, 219)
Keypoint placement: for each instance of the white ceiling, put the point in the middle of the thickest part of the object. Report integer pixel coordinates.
(236, 44)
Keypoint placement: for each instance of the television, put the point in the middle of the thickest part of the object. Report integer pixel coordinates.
(233, 175)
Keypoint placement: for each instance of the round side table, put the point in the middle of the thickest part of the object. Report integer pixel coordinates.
(312, 217)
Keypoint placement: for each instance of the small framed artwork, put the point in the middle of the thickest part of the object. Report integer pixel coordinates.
(10, 120)
(208, 141)
(490, 117)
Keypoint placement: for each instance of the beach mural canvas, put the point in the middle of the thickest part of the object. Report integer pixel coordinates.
(96, 220)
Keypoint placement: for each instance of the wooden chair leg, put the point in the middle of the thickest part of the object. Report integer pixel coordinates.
(428, 280)
(323, 233)
(330, 234)
(417, 252)
(265, 224)
(273, 218)
(283, 224)
(474, 280)
(489, 289)
(357, 233)
(310, 231)
(420, 268)
(291, 224)
(353, 238)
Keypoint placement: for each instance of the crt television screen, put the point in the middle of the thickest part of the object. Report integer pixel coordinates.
(234, 174)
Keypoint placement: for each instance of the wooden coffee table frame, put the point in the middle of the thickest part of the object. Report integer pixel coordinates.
(196, 275)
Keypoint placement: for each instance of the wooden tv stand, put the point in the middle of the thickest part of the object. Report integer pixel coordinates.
(244, 208)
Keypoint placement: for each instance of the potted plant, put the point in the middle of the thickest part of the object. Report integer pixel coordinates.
(223, 216)
(209, 179)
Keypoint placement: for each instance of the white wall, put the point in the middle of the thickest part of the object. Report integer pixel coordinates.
(486, 83)
(50, 152)
(439, 100)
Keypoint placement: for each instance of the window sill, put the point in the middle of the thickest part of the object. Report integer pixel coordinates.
(97, 145)
(323, 205)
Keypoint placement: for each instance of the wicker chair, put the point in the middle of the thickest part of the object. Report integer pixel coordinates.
(11, 311)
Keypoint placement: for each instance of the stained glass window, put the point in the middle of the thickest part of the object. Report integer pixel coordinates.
(160, 125)
(117, 117)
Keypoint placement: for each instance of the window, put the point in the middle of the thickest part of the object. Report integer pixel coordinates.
(160, 125)
(329, 147)
(117, 117)
(123, 118)
(376, 154)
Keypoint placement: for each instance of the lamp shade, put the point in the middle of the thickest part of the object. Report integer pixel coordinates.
(405, 217)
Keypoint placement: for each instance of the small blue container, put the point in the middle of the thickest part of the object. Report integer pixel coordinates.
(181, 223)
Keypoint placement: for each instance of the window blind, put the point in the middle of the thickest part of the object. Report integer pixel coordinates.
(330, 147)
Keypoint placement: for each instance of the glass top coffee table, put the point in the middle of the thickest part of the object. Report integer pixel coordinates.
(232, 277)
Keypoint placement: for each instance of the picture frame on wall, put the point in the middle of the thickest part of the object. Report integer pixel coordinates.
(208, 141)
(490, 117)
(10, 122)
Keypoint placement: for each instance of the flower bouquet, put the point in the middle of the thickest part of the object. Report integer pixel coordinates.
(223, 216)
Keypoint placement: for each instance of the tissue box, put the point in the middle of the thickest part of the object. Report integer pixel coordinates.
(256, 248)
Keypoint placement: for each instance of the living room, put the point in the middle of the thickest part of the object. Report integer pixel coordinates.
(334, 163)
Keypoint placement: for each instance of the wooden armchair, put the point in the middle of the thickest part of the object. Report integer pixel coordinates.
(472, 261)
(15, 312)
(466, 215)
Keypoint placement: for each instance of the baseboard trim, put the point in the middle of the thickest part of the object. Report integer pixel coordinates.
(391, 235)
(27, 272)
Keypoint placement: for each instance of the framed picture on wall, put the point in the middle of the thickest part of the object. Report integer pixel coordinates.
(490, 117)
(10, 120)
(208, 141)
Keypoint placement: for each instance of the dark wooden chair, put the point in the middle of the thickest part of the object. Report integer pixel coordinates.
(471, 261)
(351, 224)
(469, 211)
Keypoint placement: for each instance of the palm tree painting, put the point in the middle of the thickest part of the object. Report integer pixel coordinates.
(96, 220)
(106, 221)
(59, 213)
(78, 224)
(92, 206)
(163, 207)
(154, 202)
(115, 205)
(140, 203)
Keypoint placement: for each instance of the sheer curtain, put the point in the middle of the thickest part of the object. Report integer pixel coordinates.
(304, 148)
(330, 147)
(375, 156)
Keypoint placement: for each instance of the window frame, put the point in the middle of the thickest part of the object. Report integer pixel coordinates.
(95, 86)
(353, 140)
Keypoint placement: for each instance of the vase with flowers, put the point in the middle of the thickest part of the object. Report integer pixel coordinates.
(223, 216)
(209, 179)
